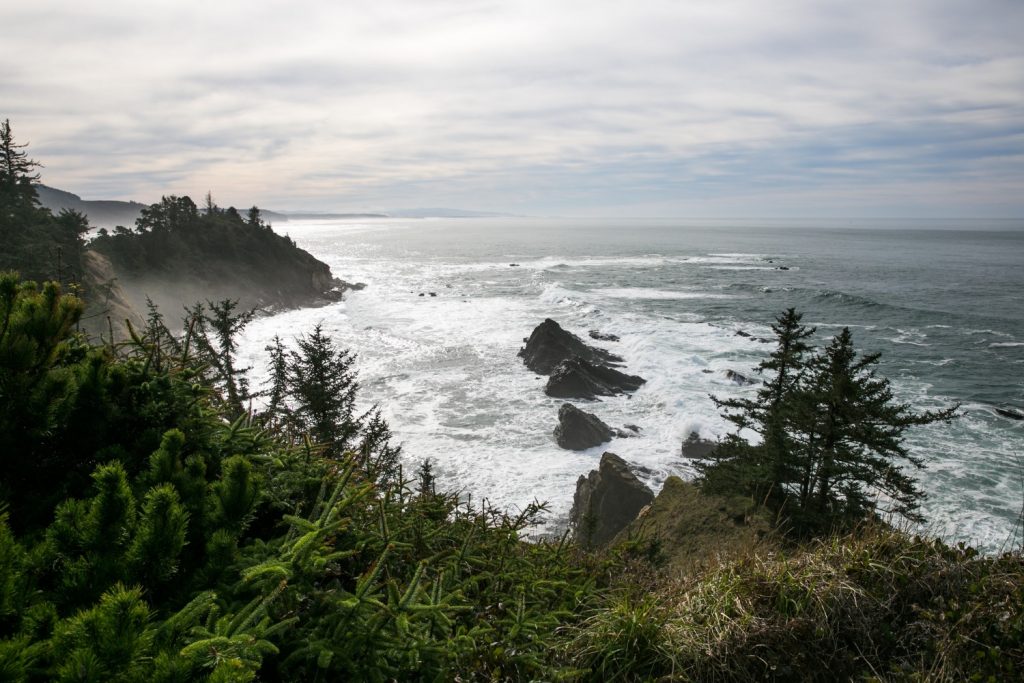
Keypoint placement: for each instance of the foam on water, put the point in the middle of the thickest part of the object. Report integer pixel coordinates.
(445, 373)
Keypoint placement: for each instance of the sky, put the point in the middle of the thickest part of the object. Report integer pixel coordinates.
(895, 108)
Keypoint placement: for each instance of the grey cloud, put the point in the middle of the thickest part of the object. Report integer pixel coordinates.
(572, 106)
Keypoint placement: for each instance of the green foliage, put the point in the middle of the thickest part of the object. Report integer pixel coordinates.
(193, 252)
(322, 388)
(174, 538)
(831, 436)
(35, 242)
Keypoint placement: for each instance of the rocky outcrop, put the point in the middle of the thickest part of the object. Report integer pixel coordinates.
(692, 529)
(606, 501)
(577, 378)
(578, 430)
(1012, 413)
(737, 378)
(108, 309)
(696, 448)
(550, 345)
(603, 336)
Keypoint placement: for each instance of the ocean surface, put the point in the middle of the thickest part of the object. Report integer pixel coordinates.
(944, 306)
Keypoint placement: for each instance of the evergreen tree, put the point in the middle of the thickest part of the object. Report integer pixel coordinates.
(765, 471)
(851, 433)
(323, 389)
(277, 386)
(253, 218)
(16, 169)
(216, 328)
(33, 241)
(831, 436)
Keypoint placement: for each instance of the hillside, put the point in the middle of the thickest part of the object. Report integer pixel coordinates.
(107, 213)
(177, 255)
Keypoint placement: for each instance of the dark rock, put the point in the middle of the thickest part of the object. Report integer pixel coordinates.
(782, 268)
(603, 336)
(742, 380)
(576, 378)
(606, 501)
(741, 333)
(632, 428)
(549, 345)
(707, 371)
(697, 448)
(578, 430)
(433, 293)
(422, 294)
(513, 265)
(1012, 413)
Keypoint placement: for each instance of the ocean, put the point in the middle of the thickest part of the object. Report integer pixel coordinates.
(444, 312)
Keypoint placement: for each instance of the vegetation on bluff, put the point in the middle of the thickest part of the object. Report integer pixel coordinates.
(34, 242)
(831, 447)
(175, 254)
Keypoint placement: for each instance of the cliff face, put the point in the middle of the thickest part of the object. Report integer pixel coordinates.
(606, 501)
(108, 305)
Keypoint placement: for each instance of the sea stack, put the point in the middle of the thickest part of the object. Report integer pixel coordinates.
(606, 501)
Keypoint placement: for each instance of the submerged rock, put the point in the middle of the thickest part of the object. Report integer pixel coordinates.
(1012, 413)
(576, 378)
(606, 501)
(578, 430)
(742, 380)
(603, 336)
(550, 345)
(696, 448)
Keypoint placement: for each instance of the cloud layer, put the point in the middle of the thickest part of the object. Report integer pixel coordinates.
(722, 107)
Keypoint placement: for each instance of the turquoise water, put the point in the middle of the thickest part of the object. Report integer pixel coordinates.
(943, 306)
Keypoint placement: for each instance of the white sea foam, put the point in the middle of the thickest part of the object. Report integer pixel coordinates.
(444, 371)
(1005, 344)
(648, 293)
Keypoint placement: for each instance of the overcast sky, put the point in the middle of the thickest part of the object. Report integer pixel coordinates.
(642, 107)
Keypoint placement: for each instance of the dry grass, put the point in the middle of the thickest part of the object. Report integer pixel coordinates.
(878, 604)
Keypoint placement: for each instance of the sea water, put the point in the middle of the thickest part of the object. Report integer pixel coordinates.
(448, 303)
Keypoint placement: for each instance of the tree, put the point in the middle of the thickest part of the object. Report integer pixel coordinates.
(323, 389)
(254, 218)
(764, 471)
(851, 432)
(16, 169)
(216, 328)
(831, 436)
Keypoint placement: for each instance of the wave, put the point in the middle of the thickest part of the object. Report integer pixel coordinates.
(646, 293)
(1005, 344)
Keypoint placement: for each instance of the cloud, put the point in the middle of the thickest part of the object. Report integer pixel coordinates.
(538, 107)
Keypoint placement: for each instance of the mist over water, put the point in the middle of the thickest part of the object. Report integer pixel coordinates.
(943, 307)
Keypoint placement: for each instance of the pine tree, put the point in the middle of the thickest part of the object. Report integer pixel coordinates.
(768, 469)
(16, 169)
(323, 389)
(831, 436)
(851, 432)
(277, 386)
(217, 327)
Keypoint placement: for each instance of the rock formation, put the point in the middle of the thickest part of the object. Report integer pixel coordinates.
(603, 336)
(742, 380)
(578, 430)
(695, 447)
(606, 501)
(550, 345)
(577, 378)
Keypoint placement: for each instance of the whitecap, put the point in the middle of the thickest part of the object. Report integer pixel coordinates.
(645, 293)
